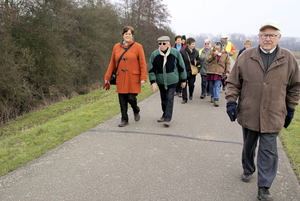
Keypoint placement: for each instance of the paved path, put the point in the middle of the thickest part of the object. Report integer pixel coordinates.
(197, 158)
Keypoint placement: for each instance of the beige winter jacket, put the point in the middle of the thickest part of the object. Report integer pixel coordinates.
(263, 97)
(215, 67)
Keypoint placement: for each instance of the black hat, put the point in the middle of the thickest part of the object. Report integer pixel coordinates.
(183, 37)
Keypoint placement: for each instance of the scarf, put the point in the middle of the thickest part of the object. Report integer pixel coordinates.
(165, 55)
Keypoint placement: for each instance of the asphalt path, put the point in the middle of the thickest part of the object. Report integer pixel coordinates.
(197, 158)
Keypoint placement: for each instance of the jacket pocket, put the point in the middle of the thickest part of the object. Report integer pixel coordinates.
(135, 77)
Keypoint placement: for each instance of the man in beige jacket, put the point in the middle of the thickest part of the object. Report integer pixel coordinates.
(266, 82)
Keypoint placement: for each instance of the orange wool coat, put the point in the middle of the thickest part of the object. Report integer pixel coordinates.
(132, 68)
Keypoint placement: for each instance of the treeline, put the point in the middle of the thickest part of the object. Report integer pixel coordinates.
(55, 49)
(291, 43)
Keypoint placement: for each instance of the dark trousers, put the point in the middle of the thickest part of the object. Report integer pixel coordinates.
(178, 87)
(190, 81)
(167, 101)
(267, 156)
(124, 99)
(203, 85)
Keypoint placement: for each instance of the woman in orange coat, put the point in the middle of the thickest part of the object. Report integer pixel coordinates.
(131, 73)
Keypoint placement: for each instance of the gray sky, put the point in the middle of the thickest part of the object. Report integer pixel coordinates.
(192, 17)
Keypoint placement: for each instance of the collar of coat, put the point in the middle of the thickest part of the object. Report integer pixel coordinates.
(278, 60)
(188, 50)
(122, 44)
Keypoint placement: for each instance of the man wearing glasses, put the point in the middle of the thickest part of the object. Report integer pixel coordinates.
(266, 82)
(166, 67)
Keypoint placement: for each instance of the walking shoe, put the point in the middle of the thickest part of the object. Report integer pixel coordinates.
(161, 119)
(191, 97)
(264, 194)
(224, 88)
(180, 95)
(183, 102)
(123, 123)
(212, 99)
(137, 116)
(216, 104)
(246, 177)
(166, 123)
(202, 96)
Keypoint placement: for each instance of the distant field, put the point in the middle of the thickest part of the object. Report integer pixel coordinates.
(297, 55)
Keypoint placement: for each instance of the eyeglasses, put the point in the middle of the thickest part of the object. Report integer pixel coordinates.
(271, 36)
(162, 43)
(206, 43)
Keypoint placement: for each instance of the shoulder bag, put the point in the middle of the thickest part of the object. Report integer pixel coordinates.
(194, 68)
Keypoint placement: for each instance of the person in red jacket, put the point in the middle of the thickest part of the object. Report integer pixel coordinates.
(131, 73)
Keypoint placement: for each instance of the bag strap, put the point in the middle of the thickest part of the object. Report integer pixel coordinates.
(188, 57)
(122, 56)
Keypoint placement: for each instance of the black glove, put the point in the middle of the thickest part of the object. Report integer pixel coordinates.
(232, 110)
(289, 116)
(192, 62)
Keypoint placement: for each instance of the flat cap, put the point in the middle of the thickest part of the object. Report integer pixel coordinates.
(269, 23)
(164, 38)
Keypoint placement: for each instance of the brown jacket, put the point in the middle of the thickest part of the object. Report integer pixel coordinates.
(132, 68)
(263, 97)
(217, 68)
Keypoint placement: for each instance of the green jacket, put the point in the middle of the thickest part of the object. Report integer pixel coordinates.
(169, 74)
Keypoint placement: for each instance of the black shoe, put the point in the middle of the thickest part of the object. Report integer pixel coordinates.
(246, 177)
(191, 97)
(137, 116)
(123, 123)
(202, 96)
(264, 194)
(183, 102)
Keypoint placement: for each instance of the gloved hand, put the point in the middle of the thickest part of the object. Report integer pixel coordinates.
(107, 86)
(232, 110)
(192, 62)
(289, 116)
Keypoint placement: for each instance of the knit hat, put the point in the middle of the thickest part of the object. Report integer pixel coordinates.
(183, 37)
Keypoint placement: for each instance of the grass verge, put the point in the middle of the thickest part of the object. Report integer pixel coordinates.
(290, 138)
(32, 135)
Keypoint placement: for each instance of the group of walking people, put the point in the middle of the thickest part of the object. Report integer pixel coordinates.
(263, 87)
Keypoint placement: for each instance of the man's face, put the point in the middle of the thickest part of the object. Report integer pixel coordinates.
(178, 41)
(267, 43)
(247, 46)
(224, 40)
(163, 45)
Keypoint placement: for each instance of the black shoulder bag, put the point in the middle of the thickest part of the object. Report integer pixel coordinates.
(113, 77)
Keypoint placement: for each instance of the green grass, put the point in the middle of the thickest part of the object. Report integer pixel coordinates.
(290, 138)
(32, 135)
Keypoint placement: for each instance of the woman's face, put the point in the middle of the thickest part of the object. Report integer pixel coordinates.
(192, 45)
(128, 36)
(217, 48)
(207, 45)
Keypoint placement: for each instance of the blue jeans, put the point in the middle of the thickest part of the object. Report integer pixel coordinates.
(214, 88)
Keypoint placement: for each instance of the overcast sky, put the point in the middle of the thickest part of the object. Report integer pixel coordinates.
(192, 17)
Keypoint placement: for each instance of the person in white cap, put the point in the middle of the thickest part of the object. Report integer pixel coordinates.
(228, 46)
(266, 82)
(166, 68)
